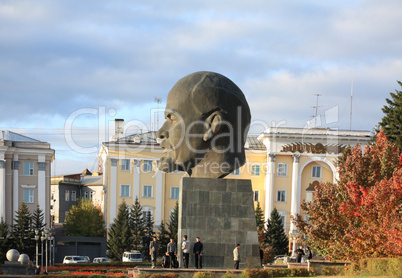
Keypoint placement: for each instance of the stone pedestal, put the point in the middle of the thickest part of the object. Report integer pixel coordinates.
(221, 213)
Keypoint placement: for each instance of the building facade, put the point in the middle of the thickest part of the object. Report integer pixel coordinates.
(283, 164)
(25, 165)
(67, 190)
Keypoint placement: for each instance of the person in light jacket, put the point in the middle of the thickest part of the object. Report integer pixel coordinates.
(185, 246)
(236, 256)
(172, 251)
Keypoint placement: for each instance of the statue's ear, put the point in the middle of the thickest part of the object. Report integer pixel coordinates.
(214, 125)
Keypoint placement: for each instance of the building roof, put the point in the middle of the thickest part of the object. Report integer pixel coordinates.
(149, 138)
(7, 135)
(92, 180)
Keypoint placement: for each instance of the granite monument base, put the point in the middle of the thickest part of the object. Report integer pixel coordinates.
(221, 213)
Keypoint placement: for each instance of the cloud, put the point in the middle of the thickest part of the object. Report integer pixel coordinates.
(57, 57)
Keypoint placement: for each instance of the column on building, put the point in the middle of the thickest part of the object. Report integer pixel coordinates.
(158, 199)
(16, 167)
(2, 187)
(112, 190)
(42, 197)
(136, 180)
(269, 186)
(294, 199)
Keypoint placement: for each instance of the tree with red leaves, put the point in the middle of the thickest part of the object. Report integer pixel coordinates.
(361, 215)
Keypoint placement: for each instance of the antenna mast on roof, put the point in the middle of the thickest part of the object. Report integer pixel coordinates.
(351, 101)
(157, 100)
(316, 110)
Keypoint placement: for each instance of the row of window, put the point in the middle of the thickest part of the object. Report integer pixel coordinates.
(147, 191)
(73, 195)
(147, 165)
(282, 171)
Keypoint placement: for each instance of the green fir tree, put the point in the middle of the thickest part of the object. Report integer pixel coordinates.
(119, 239)
(38, 218)
(174, 222)
(4, 240)
(391, 123)
(148, 233)
(22, 232)
(259, 217)
(275, 235)
(163, 238)
(136, 223)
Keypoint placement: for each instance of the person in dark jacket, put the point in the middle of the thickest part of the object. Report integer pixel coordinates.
(299, 254)
(197, 251)
(309, 253)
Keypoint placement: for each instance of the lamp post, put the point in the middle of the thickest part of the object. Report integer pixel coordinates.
(46, 238)
(42, 238)
(37, 237)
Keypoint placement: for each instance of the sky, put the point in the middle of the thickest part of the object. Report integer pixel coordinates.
(68, 69)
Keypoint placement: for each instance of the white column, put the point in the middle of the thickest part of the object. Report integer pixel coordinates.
(158, 198)
(2, 187)
(15, 184)
(136, 180)
(42, 198)
(112, 190)
(269, 186)
(294, 208)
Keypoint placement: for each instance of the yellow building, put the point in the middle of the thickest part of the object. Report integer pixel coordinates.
(283, 165)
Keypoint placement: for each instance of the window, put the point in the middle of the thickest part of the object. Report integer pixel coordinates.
(147, 166)
(281, 196)
(125, 190)
(147, 191)
(73, 196)
(283, 218)
(255, 170)
(146, 210)
(282, 170)
(316, 172)
(92, 195)
(174, 193)
(86, 195)
(28, 196)
(67, 196)
(28, 169)
(65, 215)
(256, 196)
(309, 196)
(236, 172)
(125, 165)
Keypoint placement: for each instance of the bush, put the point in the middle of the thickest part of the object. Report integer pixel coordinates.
(383, 266)
(202, 275)
(278, 272)
(333, 270)
(166, 275)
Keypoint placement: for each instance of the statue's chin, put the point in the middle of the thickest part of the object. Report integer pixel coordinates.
(167, 164)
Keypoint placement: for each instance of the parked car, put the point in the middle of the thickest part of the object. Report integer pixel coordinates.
(101, 260)
(132, 256)
(86, 258)
(74, 260)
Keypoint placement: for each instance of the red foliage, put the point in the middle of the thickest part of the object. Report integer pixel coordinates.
(361, 216)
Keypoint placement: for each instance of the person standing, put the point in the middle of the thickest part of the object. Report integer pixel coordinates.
(309, 253)
(172, 251)
(197, 251)
(299, 254)
(236, 256)
(185, 246)
(153, 251)
(261, 255)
